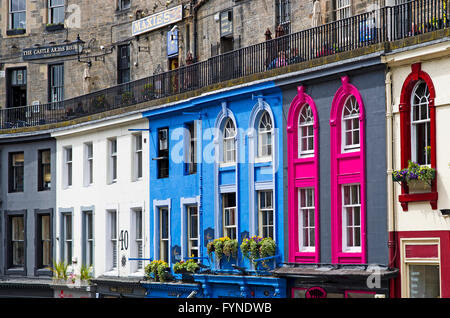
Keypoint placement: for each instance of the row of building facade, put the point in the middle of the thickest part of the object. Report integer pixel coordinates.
(146, 141)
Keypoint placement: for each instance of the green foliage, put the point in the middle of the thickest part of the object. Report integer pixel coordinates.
(86, 273)
(257, 247)
(59, 270)
(159, 270)
(414, 172)
(223, 246)
(189, 266)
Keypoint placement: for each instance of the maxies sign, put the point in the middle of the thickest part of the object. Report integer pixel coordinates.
(49, 51)
(157, 20)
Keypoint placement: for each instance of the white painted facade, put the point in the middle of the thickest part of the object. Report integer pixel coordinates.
(126, 195)
(435, 60)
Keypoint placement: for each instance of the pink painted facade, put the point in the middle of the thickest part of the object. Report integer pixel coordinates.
(303, 172)
(347, 168)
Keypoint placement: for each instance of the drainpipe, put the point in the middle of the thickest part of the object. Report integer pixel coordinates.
(392, 244)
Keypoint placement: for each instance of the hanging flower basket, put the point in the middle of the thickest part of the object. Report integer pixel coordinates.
(257, 247)
(221, 247)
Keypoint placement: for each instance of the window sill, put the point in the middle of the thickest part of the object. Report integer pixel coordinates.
(406, 198)
(111, 273)
(263, 163)
(263, 160)
(227, 166)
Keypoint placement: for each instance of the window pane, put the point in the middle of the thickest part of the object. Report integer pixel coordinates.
(424, 281)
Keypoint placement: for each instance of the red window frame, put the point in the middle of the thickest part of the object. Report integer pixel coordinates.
(405, 135)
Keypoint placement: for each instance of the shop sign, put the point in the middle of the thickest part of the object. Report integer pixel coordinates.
(49, 51)
(157, 20)
(316, 292)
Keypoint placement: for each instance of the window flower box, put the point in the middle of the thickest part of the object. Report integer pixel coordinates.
(54, 27)
(15, 32)
(158, 270)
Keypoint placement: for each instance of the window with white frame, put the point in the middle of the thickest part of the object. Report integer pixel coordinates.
(17, 14)
(88, 238)
(265, 214)
(112, 160)
(89, 163)
(343, 9)
(67, 166)
(306, 220)
(351, 218)
(137, 156)
(350, 125)
(138, 237)
(67, 238)
(265, 136)
(192, 233)
(164, 234)
(305, 132)
(191, 147)
(112, 239)
(229, 217)
(56, 11)
(420, 124)
(229, 142)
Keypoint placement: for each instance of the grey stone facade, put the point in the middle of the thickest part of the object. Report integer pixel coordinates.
(104, 26)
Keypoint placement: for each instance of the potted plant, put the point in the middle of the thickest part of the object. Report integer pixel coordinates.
(186, 269)
(147, 91)
(223, 246)
(417, 177)
(86, 274)
(127, 98)
(159, 269)
(99, 102)
(257, 247)
(59, 270)
(17, 31)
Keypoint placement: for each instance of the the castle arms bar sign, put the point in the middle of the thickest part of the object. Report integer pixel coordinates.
(44, 52)
(157, 20)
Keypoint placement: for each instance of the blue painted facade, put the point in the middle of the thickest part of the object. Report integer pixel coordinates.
(205, 188)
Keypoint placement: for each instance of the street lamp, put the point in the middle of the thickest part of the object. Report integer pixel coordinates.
(79, 45)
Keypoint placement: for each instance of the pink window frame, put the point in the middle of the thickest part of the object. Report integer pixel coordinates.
(302, 173)
(346, 168)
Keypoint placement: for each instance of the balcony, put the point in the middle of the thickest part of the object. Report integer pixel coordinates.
(373, 29)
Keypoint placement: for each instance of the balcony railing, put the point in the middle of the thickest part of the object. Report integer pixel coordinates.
(385, 24)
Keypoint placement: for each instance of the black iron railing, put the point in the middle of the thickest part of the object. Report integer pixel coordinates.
(381, 25)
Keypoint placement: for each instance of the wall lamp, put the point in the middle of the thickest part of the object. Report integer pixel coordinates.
(79, 43)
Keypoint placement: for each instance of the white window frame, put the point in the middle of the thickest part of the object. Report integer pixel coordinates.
(138, 237)
(112, 160)
(415, 123)
(266, 211)
(68, 167)
(88, 164)
(112, 240)
(11, 13)
(138, 157)
(308, 209)
(352, 118)
(265, 138)
(305, 121)
(231, 228)
(89, 239)
(346, 225)
(191, 148)
(229, 142)
(343, 9)
(67, 241)
(164, 240)
(50, 15)
(190, 240)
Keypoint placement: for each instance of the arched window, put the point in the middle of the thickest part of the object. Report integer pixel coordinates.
(265, 136)
(305, 132)
(229, 142)
(350, 125)
(420, 124)
(418, 132)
